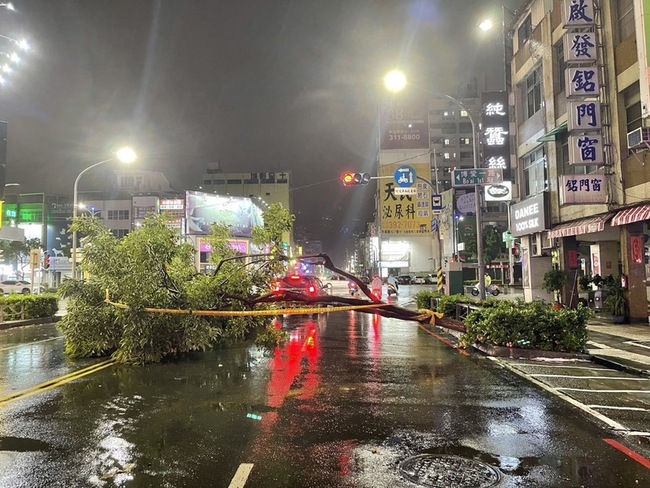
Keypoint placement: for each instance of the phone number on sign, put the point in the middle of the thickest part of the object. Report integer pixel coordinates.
(404, 137)
(402, 225)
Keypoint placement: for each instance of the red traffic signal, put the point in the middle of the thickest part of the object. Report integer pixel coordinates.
(355, 179)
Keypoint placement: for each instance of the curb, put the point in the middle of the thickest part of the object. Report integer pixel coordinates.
(37, 321)
(608, 363)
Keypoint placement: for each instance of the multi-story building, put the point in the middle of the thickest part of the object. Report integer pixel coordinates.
(434, 137)
(581, 90)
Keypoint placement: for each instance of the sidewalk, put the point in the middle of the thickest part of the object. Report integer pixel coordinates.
(624, 347)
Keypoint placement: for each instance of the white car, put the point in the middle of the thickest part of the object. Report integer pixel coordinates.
(15, 286)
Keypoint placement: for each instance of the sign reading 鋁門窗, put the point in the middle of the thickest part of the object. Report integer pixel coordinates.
(581, 189)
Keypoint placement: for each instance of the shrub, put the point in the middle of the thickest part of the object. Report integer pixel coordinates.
(423, 298)
(447, 304)
(34, 306)
(532, 325)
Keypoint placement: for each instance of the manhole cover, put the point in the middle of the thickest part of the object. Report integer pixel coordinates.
(445, 471)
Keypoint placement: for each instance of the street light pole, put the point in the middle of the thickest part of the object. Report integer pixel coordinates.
(125, 155)
(396, 81)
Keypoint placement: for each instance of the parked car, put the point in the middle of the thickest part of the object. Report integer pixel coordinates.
(15, 286)
(309, 286)
(404, 280)
(428, 279)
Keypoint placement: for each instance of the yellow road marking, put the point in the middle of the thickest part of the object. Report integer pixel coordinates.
(56, 382)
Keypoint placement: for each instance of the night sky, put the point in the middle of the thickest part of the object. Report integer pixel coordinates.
(256, 85)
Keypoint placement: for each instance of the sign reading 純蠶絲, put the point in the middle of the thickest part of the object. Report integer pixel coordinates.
(495, 121)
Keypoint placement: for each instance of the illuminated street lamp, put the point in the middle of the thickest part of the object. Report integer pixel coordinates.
(396, 81)
(8, 6)
(124, 155)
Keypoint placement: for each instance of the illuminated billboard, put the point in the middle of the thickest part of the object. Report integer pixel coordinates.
(204, 209)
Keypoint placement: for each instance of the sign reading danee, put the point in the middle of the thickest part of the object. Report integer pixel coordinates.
(528, 216)
(496, 125)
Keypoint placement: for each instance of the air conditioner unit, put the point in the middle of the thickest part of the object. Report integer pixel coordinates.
(547, 242)
(638, 137)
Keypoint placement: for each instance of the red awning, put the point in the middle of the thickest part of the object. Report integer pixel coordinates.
(582, 226)
(630, 215)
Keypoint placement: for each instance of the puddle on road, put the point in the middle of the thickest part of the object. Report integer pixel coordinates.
(22, 444)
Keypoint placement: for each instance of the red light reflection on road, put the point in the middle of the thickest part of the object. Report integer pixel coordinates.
(352, 334)
(287, 365)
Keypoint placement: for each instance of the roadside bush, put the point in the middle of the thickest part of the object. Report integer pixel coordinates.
(447, 304)
(423, 298)
(34, 306)
(532, 325)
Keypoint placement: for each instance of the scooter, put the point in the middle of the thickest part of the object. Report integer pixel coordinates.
(353, 288)
(391, 290)
(492, 289)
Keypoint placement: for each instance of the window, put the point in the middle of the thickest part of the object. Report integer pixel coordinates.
(632, 101)
(535, 172)
(533, 87)
(463, 113)
(524, 31)
(119, 233)
(446, 156)
(466, 155)
(568, 169)
(447, 142)
(234, 182)
(207, 182)
(127, 182)
(465, 128)
(118, 214)
(625, 19)
(465, 141)
(560, 68)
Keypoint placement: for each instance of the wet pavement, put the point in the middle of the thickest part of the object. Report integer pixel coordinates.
(351, 401)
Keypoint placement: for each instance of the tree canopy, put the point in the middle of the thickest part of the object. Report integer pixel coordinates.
(152, 267)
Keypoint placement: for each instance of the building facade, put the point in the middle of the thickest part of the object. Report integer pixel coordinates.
(580, 87)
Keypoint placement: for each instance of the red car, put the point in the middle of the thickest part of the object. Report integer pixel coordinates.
(310, 286)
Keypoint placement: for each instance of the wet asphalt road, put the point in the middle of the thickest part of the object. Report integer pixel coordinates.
(342, 405)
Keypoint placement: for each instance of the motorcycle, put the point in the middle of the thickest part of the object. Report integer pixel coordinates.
(353, 288)
(391, 290)
(492, 289)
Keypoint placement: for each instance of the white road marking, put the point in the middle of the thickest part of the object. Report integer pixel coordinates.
(564, 366)
(606, 420)
(589, 377)
(594, 390)
(239, 480)
(598, 345)
(611, 407)
(632, 343)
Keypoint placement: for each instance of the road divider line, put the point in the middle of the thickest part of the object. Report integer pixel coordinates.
(628, 452)
(56, 382)
(241, 476)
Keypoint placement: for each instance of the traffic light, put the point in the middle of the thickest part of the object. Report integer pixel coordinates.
(46, 261)
(355, 179)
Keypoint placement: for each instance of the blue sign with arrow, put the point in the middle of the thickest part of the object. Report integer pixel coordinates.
(405, 176)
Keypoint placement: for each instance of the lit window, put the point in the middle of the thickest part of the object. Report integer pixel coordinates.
(463, 113)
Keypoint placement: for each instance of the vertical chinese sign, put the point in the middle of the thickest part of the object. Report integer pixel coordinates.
(495, 123)
(404, 214)
(583, 104)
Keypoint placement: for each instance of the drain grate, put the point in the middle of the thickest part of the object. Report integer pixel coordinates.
(446, 471)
